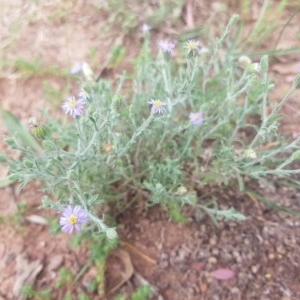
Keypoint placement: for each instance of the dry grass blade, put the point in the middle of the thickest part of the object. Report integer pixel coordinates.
(137, 251)
(124, 257)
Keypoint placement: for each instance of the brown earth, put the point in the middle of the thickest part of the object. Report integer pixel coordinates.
(174, 259)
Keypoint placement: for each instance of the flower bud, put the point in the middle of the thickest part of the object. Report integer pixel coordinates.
(111, 233)
(244, 61)
(36, 129)
(118, 103)
(233, 21)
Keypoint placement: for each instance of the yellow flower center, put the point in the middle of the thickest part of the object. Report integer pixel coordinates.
(192, 45)
(73, 103)
(157, 103)
(73, 219)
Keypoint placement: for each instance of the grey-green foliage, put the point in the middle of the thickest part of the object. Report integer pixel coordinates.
(119, 146)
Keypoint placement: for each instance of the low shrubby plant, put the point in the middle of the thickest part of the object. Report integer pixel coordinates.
(189, 116)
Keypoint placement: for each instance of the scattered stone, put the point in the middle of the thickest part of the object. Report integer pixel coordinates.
(213, 240)
(271, 256)
(35, 219)
(215, 252)
(55, 262)
(212, 260)
(254, 269)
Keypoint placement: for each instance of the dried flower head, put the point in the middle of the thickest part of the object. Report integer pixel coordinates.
(72, 219)
(196, 118)
(158, 107)
(166, 46)
(74, 107)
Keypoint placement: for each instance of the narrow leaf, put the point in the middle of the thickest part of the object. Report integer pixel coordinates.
(15, 127)
(5, 181)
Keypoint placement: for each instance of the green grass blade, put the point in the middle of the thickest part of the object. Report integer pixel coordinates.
(5, 181)
(16, 129)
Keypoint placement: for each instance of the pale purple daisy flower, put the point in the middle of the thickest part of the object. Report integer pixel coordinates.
(83, 95)
(196, 118)
(72, 219)
(166, 46)
(76, 68)
(74, 107)
(83, 68)
(158, 107)
(145, 28)
(192, 46)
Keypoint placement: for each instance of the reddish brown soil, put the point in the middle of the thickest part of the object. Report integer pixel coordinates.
(174, 259)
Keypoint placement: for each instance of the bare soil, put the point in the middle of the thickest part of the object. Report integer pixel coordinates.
(174, 259)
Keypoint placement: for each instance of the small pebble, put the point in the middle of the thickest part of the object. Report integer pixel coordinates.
(235, 290)
(271, 256)
(55, 262)
(254, 269)
(215, 252)
(246, 242)
(280, 249)
(235, 254)
(213, 241)
(212, 260)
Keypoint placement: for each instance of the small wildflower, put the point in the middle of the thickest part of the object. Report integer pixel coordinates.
(145, 28)
(87, 71)
(192, 46)
(196, 118)
(83, 68)
(250, 153)
(182, 190)
(83, 95)
(73, 218)
(166, 46)
(158, 107)
(76, 69)
(74, 107)
(256, 67)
